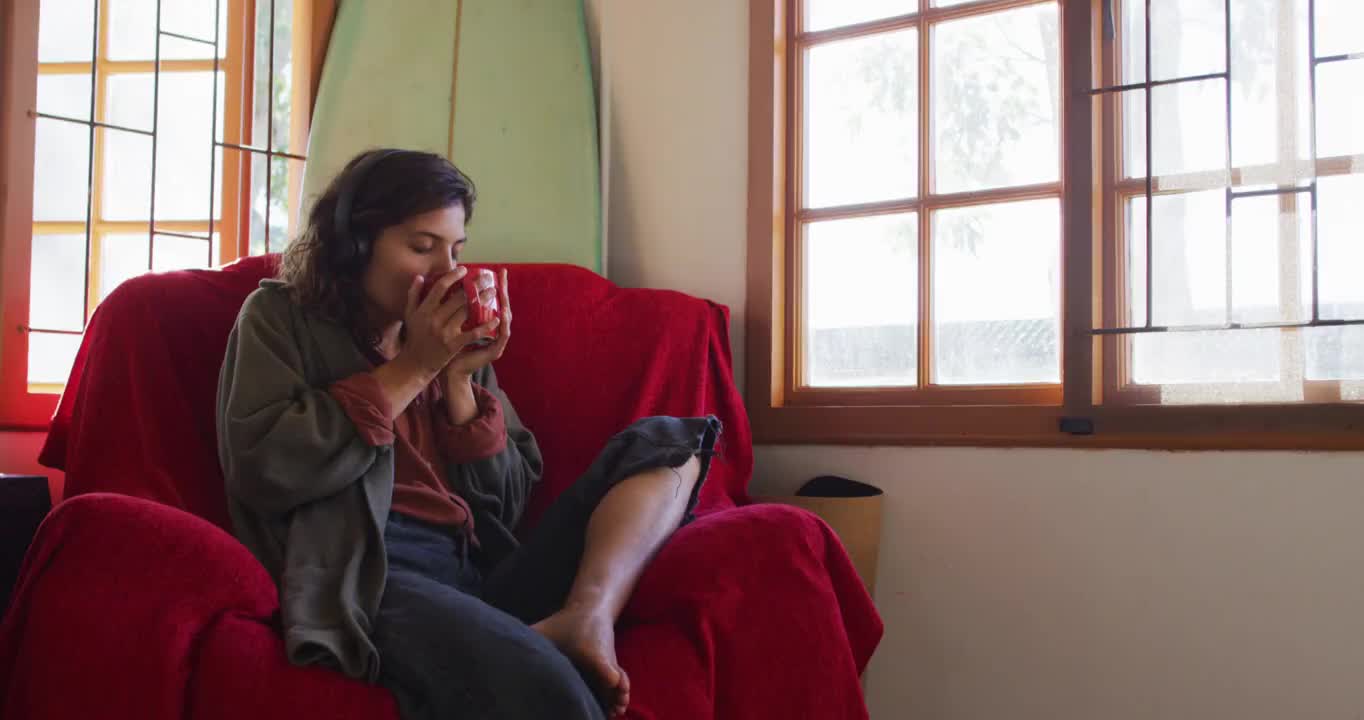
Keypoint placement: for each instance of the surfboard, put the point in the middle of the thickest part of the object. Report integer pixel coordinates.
(501, 87)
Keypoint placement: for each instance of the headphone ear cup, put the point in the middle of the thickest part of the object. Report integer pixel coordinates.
(339, 252)
(352, 247)
(358, 248)
(348, 251)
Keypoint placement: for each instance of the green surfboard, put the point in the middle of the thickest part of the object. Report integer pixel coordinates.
(501, 87)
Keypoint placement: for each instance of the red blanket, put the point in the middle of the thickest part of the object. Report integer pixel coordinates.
(134, 608)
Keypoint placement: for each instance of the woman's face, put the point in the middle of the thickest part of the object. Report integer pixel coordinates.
(425, 244)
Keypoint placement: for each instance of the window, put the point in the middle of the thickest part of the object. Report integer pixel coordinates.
(143, 132)
(951, 217)
(1243, 225)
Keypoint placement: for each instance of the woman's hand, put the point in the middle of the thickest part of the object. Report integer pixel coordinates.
(460, 403)
(432, 327)
(467, 362)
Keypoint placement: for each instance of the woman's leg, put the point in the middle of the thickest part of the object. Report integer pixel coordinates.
(576, 570)
(624, 532)
(444, 653)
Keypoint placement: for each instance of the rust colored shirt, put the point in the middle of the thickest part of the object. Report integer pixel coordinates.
(424, 443)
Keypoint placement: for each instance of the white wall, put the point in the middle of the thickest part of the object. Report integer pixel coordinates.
(1018, 584)
(1116, 585)
(676, 74)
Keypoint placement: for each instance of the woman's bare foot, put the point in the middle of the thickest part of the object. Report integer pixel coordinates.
(588, 638)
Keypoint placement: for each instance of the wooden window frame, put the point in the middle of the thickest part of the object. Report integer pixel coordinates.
(25, 406)
(1073, 414)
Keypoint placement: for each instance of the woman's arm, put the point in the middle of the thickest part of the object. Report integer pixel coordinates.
(281, 442)
(461, 402)
(492, 455)
(492, 458)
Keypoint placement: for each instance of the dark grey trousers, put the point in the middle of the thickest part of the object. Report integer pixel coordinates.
(454, 645)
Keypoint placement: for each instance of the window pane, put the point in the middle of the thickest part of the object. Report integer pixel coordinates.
(174, 48)
(1270, 283)
(995, 100)
(61, 167)
(184, 149)
(1189, 240)
(862, 299)
(862, 117)
(258, 204)
(57, 282)
(277, 77)
(1134, 242)
(127, 176)
(194, 17)
(1133, 133)
(185, 97)
(1271, 270)
(235, 159)
(1340, 239)
(50, 357)
(64, 95)
(177, 253)
(825, 14)
(1271, 112)
(122, 256)
(129, 101)
(284, 192)
(286, 185)
(1188, 121)
(1189, 37)
(996, 294)
(125, 256)
(1340, 108)
(132, 29)
(1221, 357)
(1337, 353)
(66, 30)
(1338, 24)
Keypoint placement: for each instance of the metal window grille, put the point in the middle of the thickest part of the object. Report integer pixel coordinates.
(1230, 193)
(214, 143)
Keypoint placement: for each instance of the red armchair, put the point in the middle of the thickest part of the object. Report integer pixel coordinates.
(136, 602)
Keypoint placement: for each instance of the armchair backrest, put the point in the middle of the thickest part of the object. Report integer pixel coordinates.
(587, 358)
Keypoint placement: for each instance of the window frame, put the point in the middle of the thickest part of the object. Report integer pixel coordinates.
(1072, 414)
(29, 407)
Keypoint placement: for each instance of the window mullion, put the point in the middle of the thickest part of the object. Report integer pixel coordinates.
(1115, 351)
(269, 143)
(213, 149)
(1312, 62)
(1077, 198)
(96, 252)
(925, 264)
(1292, 343)
(94, 207)
(793, 325)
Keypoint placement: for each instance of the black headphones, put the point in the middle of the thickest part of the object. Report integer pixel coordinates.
(351, 248)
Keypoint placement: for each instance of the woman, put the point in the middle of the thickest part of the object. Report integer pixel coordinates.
(377, 471)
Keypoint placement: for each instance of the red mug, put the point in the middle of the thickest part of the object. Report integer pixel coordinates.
(477, 313)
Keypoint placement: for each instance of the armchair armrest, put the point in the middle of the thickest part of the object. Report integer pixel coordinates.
(117, 591)
(752, 587)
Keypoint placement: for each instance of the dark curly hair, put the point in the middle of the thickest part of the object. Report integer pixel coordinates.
(326, 277)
